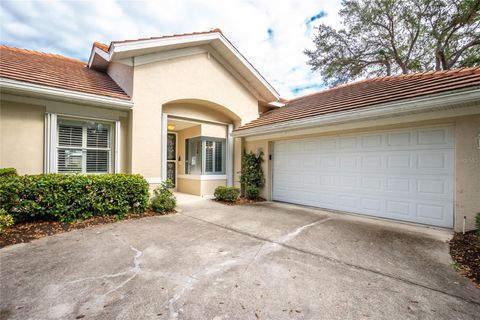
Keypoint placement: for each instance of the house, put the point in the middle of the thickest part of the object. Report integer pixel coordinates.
(185, 106)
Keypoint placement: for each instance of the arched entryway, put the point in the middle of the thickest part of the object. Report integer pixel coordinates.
(197, 149)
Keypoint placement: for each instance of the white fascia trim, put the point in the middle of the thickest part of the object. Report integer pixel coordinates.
(203, 177)
(203, 38)
(104, 55)
(250, 67)
(75, 96)
(426, 104)
(276, 104)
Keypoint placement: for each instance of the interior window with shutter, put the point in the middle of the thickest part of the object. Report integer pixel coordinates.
(84, 147)
(205, 155)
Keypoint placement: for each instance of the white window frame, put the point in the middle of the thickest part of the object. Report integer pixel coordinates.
(204, 140)
(52, 147)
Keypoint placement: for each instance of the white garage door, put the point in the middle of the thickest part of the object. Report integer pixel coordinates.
(398, 174)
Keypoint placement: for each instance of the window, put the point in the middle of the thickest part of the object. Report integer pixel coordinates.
(83, 147)
(205, 155)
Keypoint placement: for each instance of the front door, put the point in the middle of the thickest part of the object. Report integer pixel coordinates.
(172, 158)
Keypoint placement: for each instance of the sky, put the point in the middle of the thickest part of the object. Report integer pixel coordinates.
(271, 34)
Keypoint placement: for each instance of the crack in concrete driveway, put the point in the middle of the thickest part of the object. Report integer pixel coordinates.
(282, 242)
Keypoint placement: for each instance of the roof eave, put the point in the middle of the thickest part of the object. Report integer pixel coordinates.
(422, 104)
(41, 91)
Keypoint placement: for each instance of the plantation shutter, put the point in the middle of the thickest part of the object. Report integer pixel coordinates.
(98, 137)
(70, 139)
(218, 156)
(83, 147)
(208, 156)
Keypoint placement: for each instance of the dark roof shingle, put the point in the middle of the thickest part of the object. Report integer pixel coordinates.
(56, 71)
(370, 92)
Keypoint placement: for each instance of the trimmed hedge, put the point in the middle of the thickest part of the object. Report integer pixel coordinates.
(229, 194)
(8, 172)
(69, 197)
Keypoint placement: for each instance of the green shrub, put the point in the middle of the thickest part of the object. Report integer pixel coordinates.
(8, 172)
(163, 199)
(252, 192)
(6, 220)
(251, 173)
(229, 194)
(477, 223)
(69, 197)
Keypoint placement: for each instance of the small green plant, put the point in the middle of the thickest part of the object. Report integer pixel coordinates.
(229, 194)
(252, 192)
(8, 172)
(477, 223)
(455, 265)
(163, 199)
(6, 220)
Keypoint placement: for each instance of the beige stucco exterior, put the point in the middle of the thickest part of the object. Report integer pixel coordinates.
(22, 131)
(205, 92)
(198, 78)
(467, 156)
(21, 137)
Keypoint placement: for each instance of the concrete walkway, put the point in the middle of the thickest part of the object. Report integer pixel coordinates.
(262, 261)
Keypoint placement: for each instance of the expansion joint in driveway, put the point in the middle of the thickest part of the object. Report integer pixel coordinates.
(324, 257)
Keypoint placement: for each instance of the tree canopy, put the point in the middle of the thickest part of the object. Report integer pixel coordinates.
(386, 37)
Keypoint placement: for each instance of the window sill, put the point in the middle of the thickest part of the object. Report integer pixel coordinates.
(203, 177)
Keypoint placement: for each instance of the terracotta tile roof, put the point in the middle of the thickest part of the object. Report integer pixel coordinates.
(56, 71)
(101, 46)
(370, 92)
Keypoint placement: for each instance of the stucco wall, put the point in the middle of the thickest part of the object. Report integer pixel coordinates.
(189, 186)
(467, 172)
(214, 130)
(122, 74)
(21, 137)
(263, 145)
(182, 135)
(22, 132)
(124, 145)
(467, 161)
(196, 78)
(208, 186)
(201, 111)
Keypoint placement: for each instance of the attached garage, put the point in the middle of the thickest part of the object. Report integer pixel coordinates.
(405, 148)
(403, 174)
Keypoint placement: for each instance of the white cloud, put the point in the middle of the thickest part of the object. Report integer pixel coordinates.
(70, 27)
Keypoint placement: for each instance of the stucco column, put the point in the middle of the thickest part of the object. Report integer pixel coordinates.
(230, 156)
(164, 146)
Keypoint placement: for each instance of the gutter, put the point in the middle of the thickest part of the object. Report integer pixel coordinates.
(63, 94)
(393, 109)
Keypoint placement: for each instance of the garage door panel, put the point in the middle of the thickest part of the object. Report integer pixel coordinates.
(403, 174)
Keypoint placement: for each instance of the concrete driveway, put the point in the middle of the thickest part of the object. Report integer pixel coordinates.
(262, 261)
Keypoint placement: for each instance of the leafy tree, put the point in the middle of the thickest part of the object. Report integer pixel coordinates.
(385, 37)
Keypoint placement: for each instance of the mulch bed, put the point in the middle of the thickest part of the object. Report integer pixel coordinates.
(465, 250)
(26, 232)
(241, 200)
